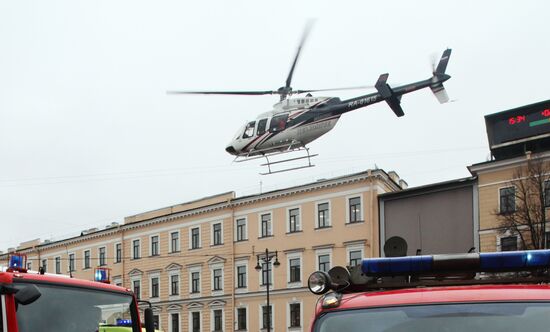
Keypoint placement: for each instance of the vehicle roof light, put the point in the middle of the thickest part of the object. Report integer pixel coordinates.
(397, 265)
(17, 262)
(331, 300)
(318, 282)
(514, 260)
(123, 322)
(102, 274)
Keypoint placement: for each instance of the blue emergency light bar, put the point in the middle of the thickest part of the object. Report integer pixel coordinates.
(102, 275)
(434, 264)
(17, 262)
(123, 322)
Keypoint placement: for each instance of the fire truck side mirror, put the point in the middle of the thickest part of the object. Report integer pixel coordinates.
(27, 295)
(149, 322)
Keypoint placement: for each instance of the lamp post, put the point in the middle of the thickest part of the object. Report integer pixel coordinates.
(266, 258)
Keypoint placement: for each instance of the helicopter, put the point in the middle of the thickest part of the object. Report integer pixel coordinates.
(295, 122)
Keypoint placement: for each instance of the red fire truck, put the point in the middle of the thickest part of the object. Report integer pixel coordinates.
(34, 301)
(504, 291)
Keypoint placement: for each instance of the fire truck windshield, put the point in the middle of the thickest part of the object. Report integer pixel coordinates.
(64, 309)
(487, 317)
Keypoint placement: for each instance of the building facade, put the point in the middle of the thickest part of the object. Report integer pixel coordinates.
(201, 264)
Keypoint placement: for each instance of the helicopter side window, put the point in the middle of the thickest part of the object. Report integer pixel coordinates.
(249, 130)
(261, 127)
(278, 123)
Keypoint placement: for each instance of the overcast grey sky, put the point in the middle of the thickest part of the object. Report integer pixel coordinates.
(88, 134)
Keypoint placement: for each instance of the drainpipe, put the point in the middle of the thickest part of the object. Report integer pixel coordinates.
(230, 204)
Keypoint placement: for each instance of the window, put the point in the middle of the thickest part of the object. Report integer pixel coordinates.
(323, 216)
(175, 320)
(267, 316)
(71, 263)
(295, 314)
(355, 257)
(509, 243)
(547, 234)
(294, 265)
(58, 265)
(196, 321)
(136, 285)
(102, 256)
(324, 262)
(217, 283)
(118, 252)
(249, 129)
(507, 200)
(547, 193)
(155, 245)
(217, 234)
(45, 265)
(265, 225)
(218, 320)
(136, 249)
(241, 229)
(261, 126)
(29, 267)
(241, 276)
(293, 220)
(355, 209)
(241, 318)
(195, 238)
(154, 287)
(86, 259)
(195, 282)
(174, 241)
(278, 123)
(174, 284)
(156, 321)
(267, 274)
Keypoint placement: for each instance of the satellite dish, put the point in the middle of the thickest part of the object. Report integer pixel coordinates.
(340, 276)
(395, 246)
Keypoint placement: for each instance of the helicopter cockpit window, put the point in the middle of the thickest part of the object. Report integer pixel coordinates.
(261, 127)
(249, 129)
(278, 123)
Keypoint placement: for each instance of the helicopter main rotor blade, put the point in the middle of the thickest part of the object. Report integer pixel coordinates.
(304, 37)
(336, 89)
(243, 93)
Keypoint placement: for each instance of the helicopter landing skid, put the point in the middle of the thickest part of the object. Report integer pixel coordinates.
(271, 163)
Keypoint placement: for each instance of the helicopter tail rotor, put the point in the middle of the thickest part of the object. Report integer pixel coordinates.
(439, 77)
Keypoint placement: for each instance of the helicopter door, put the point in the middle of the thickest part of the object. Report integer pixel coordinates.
(278, 123)
(249, 129)
(262, 124)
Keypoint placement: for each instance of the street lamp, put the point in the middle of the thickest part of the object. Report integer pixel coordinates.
(266, 258)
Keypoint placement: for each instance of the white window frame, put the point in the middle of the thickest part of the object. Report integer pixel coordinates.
(171, 296)
(69, 261)
(355, 247)
(321, 252)
(170, 312)
(191, 237)
(271, 276)
(245, 229)
(84, 259)
(270, 224)
(137, 278)
(241, 306)
(99, 256)
(191, 271)
(260, 313)
(362, 210)
(151, 244)
(212, 232)
(301, 303)
(172, 249)
(132, 248)
(316, 214)
(151, 276)
(191, 311)
(237, 264)
(290, 256)
(213, 267)
(121, 252)
(299, 227)
(212, 318)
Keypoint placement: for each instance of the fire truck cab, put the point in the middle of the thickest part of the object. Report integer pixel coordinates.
(34, 301)
(504, 291)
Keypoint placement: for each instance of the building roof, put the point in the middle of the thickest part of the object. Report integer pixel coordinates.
(429, 188)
